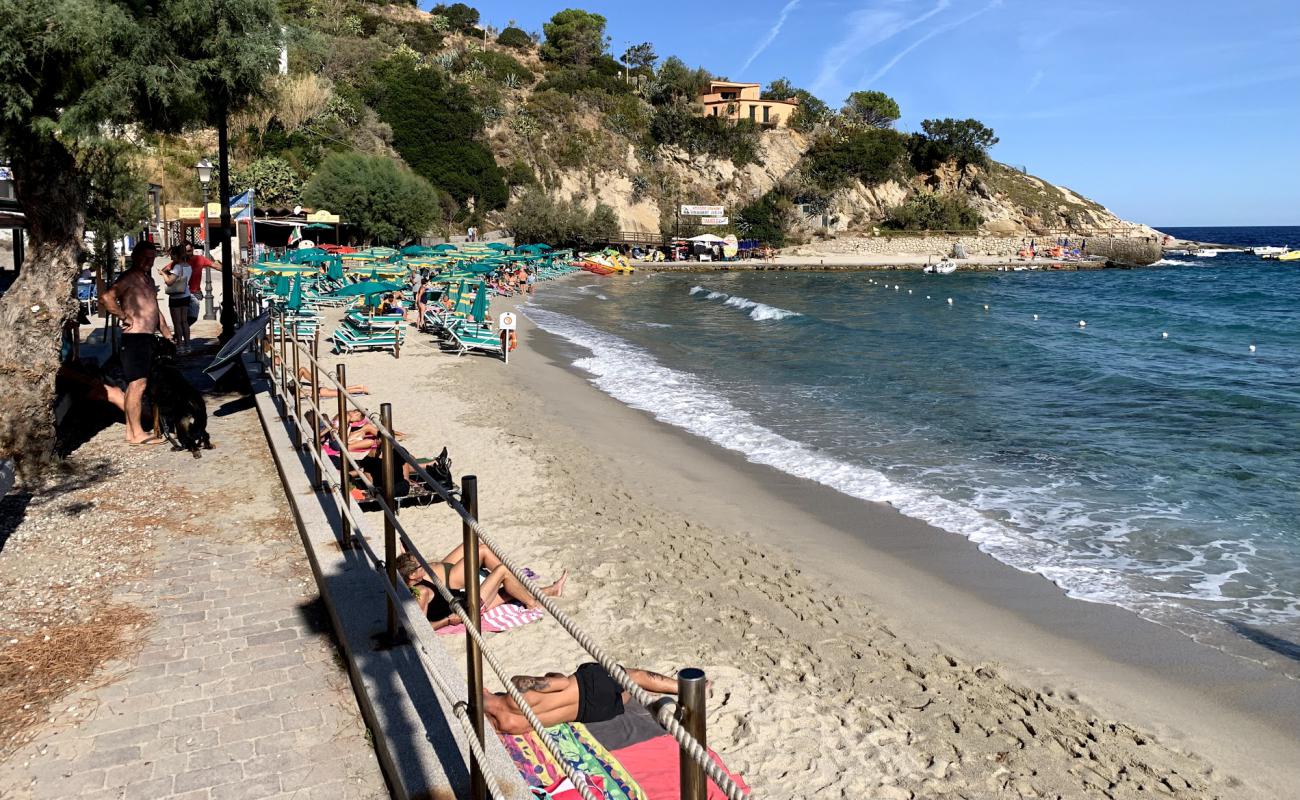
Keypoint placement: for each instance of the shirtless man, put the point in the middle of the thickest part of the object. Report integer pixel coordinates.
(134, 300)
(588, 695)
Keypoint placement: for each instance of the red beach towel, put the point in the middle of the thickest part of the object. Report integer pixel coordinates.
(654, 765)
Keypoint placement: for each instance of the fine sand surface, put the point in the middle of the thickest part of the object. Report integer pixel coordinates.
(855, 653)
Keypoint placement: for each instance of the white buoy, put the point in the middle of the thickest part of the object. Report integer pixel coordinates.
(1164, 335)
(949, 301)
(1082, 324)
(909, 291)
(1252, 348)
(986, 306)
(1035, 316)
(927, 297)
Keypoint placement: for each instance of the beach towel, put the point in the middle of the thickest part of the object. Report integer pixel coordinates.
(502, 618)
(654, 764)
(578, 747)
(565, 790)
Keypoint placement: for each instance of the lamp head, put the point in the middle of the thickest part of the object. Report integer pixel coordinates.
(204, 169)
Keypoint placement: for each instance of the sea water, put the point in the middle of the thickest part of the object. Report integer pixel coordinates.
(1109, 430)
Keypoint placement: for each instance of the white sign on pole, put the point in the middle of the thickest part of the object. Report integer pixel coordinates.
(714, 220)
(506, 322)
(702, 211)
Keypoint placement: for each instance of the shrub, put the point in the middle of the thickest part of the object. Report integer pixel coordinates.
(535, 217)
(933, 212)
(498, 67)
(516, 38)
(679, 124)
(767, 218)
(387, 202)
(435, 126)
(300, 98)
(273, 181)
(519, 173)
(582, 80)
(871, 155)
(677, 83)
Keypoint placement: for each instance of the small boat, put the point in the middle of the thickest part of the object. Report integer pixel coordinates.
(942, 268)
(1290, 255)
(1269, 252)
(1205, 253)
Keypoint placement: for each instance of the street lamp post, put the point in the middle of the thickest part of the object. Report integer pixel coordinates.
(204, 169)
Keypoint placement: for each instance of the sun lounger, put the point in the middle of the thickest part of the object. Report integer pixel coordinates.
(469, 336)
(348, 338)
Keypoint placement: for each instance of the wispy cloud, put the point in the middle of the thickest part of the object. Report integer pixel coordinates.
(933, 32)
(771, 33)
(1036, 80)
(866, 28)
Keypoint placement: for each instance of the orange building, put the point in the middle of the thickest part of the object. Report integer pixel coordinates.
(737, 101)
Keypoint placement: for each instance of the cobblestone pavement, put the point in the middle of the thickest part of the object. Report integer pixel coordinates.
(237, 691)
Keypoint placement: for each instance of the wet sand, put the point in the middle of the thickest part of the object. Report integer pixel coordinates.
(855, 652)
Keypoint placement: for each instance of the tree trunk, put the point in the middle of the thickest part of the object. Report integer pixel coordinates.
(42, 299)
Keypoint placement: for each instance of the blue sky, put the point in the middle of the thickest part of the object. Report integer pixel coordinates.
(1168, 112)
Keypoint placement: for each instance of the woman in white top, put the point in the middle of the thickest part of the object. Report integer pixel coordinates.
(176, 277)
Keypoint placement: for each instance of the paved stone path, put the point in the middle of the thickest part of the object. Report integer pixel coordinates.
(237, 691)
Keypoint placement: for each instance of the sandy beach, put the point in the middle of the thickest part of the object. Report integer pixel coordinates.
(855, 652)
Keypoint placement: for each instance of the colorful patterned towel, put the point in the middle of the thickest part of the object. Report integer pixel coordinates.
(502, 618)
(579, 748)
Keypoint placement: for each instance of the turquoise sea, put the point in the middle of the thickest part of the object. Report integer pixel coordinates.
(1158, 473)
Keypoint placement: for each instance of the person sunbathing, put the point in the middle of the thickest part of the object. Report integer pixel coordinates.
(493, 588)
(304, 381)
(588, 695)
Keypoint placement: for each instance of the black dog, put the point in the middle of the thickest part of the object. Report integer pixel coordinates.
(182, 414)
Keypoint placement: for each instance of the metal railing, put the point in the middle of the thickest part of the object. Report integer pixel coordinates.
(276, 353)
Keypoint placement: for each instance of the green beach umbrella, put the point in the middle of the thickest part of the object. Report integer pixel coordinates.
(480, 308)
(498, 245)
(445, 247)
(295, 296)
(335, 270)
(366, 289)
(281, 286)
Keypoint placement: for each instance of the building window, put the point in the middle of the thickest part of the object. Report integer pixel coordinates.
(715, 111)
(767, 113)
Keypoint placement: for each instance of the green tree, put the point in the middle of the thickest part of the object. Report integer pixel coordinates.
(966, 141)
(641, 57)
(460, 17)
(273, 181)
(872, 155)
(677, 83)
(516, 38)
(536, 217)
(389, 203)
(78, 73)
(574, 37)
(871, 109)
(811, 112)
(768, 218)
(436, 130)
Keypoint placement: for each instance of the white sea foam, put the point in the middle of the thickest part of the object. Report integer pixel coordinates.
(633, 376)
(759, 312)
(1174, 262)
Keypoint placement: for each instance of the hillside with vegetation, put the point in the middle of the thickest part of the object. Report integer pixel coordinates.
(550, 136)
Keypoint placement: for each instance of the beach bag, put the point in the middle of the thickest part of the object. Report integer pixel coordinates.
(194, 309)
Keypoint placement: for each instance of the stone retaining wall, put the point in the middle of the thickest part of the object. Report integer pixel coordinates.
(1129, 250)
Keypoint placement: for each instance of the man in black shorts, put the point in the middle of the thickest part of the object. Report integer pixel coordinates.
(588, 695)
(134, 299)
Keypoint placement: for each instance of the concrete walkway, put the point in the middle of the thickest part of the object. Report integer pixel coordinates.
(236, 691)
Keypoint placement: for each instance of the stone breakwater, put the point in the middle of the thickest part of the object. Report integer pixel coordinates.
(1129, 250)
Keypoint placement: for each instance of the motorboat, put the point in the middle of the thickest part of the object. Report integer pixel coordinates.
(1290, 255)
(942, 268)
(1269, 252)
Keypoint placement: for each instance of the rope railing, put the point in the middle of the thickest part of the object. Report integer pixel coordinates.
(289, 351)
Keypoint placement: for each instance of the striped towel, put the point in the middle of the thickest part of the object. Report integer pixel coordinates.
(502, 618)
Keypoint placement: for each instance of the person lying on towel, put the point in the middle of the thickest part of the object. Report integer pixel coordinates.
(588, 695)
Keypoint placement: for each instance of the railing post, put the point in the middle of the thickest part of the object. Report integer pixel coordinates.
(473, 656)
(316, 412)
(341, 434)
(691, 701)
(390, 533)
(297, 393)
